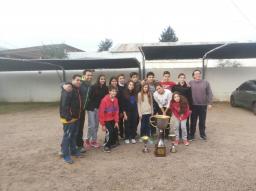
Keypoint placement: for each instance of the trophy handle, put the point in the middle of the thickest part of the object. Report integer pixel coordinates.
(152, 121)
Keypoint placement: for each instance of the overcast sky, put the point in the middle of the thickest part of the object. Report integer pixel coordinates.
(84, 23)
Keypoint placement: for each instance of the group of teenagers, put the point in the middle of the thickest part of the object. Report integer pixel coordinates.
(120, 105)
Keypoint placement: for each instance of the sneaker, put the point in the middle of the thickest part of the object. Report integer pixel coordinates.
(186, 142)
(67, 159)
(95, 144)
(106, 149)
(203, 138)
(191, 138)
(77, 155)
(133, 141)
(87, 144)
(176, 142)
(81, 149)
(126, 141)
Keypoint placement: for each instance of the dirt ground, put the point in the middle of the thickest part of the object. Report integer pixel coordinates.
(30, 141)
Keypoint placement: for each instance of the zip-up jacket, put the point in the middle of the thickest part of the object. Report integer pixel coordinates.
(108, 110)
(96, 94)
(70, 105)
(85, 92)
(175, 108)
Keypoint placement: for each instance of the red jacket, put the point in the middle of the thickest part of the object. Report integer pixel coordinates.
(175, 108)
(108, 110)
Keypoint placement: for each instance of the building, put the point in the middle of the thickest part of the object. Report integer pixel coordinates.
(40, 52)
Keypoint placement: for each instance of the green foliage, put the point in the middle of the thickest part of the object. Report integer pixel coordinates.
(53, 52)
(105, 45)
(168, 35)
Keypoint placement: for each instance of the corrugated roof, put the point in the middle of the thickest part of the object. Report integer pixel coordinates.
(134, 47)
(197, 50)
(45, 64)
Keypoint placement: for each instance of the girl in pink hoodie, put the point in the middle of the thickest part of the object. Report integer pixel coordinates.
(180, 109)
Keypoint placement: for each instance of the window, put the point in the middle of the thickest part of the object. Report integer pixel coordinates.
(245, 86)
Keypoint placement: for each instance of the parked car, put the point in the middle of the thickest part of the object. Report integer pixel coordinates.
(245, 96)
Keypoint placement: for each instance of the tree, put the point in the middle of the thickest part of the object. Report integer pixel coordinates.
(168, 35)
(105, 45)
(53, 52)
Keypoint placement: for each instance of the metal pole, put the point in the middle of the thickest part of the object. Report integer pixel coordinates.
(143, 64)
(207, 53)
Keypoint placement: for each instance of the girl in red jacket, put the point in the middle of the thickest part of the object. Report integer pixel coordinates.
(109, 117)
(180, 109)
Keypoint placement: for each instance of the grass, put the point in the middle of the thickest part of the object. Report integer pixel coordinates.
(17, 107)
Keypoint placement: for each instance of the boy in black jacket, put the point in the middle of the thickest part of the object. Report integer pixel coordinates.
(70, 109)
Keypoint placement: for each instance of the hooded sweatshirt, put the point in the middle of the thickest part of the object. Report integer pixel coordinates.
(108, 110)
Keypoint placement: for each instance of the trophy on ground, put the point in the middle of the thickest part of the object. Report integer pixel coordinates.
(172, 137)
(161, 122)
(145, 141)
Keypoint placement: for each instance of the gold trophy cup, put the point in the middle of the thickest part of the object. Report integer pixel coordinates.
(161, 122)
(145, 141)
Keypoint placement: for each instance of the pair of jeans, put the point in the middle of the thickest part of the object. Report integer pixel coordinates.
(198, 111)
(68, 145)
(121, 125)
(110, 138)
(145, 129)
(79, 139)
(93, 125)
(180, 124)
(131, 125)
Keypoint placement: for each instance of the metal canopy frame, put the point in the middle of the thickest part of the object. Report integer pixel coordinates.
(9, 64)
(167, 51)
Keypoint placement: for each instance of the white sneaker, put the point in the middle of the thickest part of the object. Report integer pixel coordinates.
(126, 141)
(133, 141)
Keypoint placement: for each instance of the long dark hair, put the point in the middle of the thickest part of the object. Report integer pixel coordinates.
(127, 92)
(98, 80)
(98, 86)
(183, 102)
(111, 79)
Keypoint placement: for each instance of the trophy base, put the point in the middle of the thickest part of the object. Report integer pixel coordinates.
(160, 151)
(173, 149)
(145, 150)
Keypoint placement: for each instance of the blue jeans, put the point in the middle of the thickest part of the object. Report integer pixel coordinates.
(93, 125)
(145, 129)
(68, 145)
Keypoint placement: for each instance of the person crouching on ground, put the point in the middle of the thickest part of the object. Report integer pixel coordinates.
(180, 109)
(109, 117)
(70, 109)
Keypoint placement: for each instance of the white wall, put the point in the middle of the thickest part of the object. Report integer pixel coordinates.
(222, 80)
(40, 87)
(45, 87)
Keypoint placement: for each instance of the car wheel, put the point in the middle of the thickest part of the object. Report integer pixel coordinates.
(254, 108)
(232, 101)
